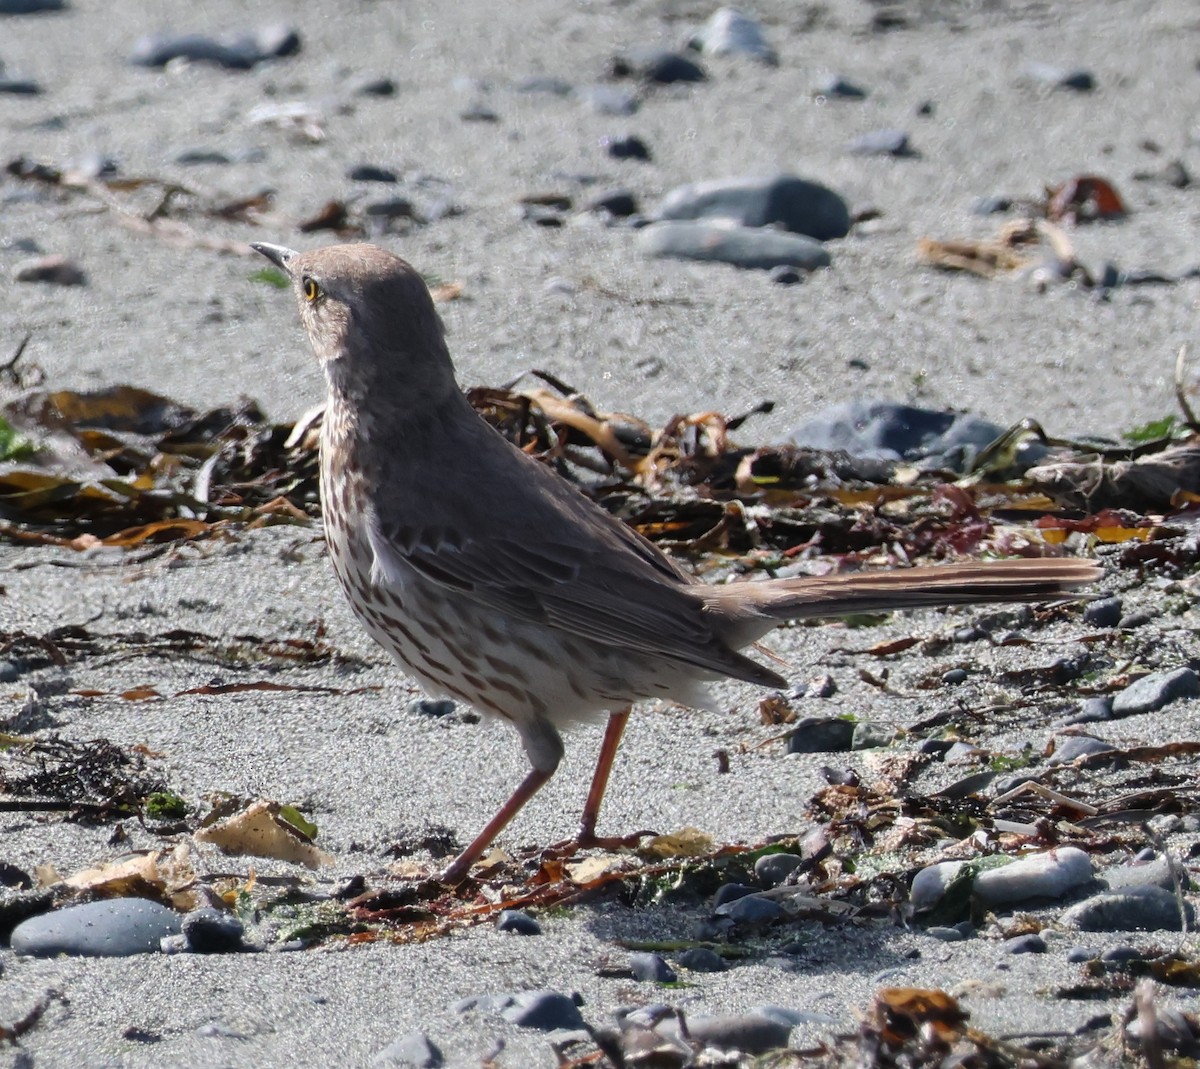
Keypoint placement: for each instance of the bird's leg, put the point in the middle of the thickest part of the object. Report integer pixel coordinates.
(528, 787)
(613, 731)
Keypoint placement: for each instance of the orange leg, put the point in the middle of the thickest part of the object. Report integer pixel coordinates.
(587, 836)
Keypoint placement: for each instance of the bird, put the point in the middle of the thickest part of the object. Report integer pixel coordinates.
(492, 580)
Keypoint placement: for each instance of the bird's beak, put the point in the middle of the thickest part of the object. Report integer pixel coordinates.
(279, 255)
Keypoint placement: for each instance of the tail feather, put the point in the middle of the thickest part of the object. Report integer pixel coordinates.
(757, 607)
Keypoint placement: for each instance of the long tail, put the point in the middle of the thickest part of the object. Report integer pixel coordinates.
(762, 605)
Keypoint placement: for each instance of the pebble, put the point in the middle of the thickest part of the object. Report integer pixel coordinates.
(629, 147)
(30, 7)
(945, 934)
(1078, 79)
(797, 204)
(961, 753)
(785, 275)
(620, 203)
(651, 967)
(431, 707)
(1078, 955)
(1048, 875)
(209, 931)
(1031, 943)
(368, 172)
(515, 920)
(753, 911)
(731, 892)
(1145, 908)
(1135, 619)
(870, 735)
(992, 204)
(381, 86)
(835, 87)
(881, 143)
(10, 671)
(931, 884)
(1104, 612)
(954, 676)
(701, 959)
(740, 246)
(1121, 955)
(19, 87)
(232, 51)
(728, 32)
(479, 112)
(413, 1051)
(1153, 692)
(543, 1010)
(1068, 748)
(749, 1033)
(114, 928)
(651, 63)
(607, 99)
(55, 270)
(1155, 872)
(1092, 711)
(772, 869)
(818, 734)
(18, 903)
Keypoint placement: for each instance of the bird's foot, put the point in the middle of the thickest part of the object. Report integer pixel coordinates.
(589, 840)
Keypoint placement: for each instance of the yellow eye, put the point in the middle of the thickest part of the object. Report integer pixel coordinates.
(311, 290)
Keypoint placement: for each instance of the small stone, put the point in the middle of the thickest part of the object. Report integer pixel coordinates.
(773, 869)
(1137, 909)
(750, 1033)
(815, 734)
(607, 99)
(1047, 875)
(881, 143)
(965, 635)
(30, 7)
(55, 270)
(479, 112)
(785, 275)
(431, 707)
(740, 246)
(945, 934)
(728, 32)
(992, 204)
(413, 1051)
(10, 671)
(515, 920)
(653, 64)
(367, 172)
(753, 911)
(377, 87)
(1060, 78)
(209, 931)
(1078, 955)
(543, 1010)
(191, 157)
(651, 967)
(25, 87)
(701, 959)
(232, 51)
(1092, 711)
(799, 205)
(1121, 955)
(1071, 747)
(837, 88)
(731, 892)
(954, 676)
(1031, 943)
(1104, 612)
(1153, 692)
(116, 927)
(1135, 619)
(869, 735)
(629, 147)
(1154, 872)
(620, 203)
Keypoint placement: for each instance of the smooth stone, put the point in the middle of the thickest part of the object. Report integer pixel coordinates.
(617, 202)
(544, 83)
(54, 270)
(701, 959)
(209, 931)
(30, 7)
(785, 275)
(654, 64)
(1047, 875)
(413, 1051)
(1068, 748)
(931, 884)
(954, 676)
(773, 869)
(1078, 955)
(1136, 619)
(377, 87)
(629, 147)
(232, 51)
(750, 1033)
(728, 32)
(1078, 79)
(647, 966)
(1031, 943)
(965, 635)
(869, 735)
(836, 87)
(1092, 711)
(739, 246)
(18, 904)
(1154, 872)
(114, 928)
(731, 892)
(478, 112)
(964, 753)
(515, 920)
(890, 431)
(881, 143)
(367, 172)
(753, 911)
(946, 935)
(431, 707)
(1136, 909)
(25, 87)
(192, 156)
(816, 734)
(799, 205)
(992, 204)
(1104, 612)
(1122, 955)
(1153, 692)
(543, 1010)
(607, 99)
(10, 671)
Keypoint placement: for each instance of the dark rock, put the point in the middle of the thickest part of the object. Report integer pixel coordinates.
(31, 7)
(209, 931)
(18, 904)
(367, 172)
(837, 88)
(701, 959)
(232, 51)
(731, 892)
(946, 935)
(543, 1010)
(773, 869)
(413, 1051)
(478, 112)
(514, 920)
(1031, 943)
(815, 734)
(954, 676)
(1153, 692)
(753, 911)
(1092, 711)
(786, 275)
(55, 270)
(1136, 909)
(377, 87)
(740, 246)
(10, 671)
(116, 927)
(994, 204)
(1060, 78)
(651, 967)
(1104, 612)
(619, 202)
(629, 147)
(796, 204)
(1078, 955)
(25, 87)
(1068, 748)
(881, 143)
(192, 156)
(653, 64)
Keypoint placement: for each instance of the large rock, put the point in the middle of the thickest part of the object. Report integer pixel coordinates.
(796, 204)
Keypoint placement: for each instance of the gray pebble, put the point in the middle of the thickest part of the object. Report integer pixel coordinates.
(818, 734)
(629, 147)
(740, 246)
(209, 931)
(413, 1051)
(232, 51)
(1032, 943)
(367, 172)
(1154, 872)
(870, 735)
(945, 934)
(701, 959)
(1078, 955)
(190, 157)
(1068, 748)
(376, 87)
(431, 707)
(543, 1010)
(25, 87)
(1136, 619)
(1105, 612)
(479, 112)
(785, 275)
(1051, 874)
(1156, 690)
(651, 967)
(773, 869)
(1060, 77)
(750, 1033)
(1122, 955)
(10, 671)
(1092, 711)
(992, 204)
(753, 911)
(113, 928)
(1137, 909)
(836, 87)
(607, 99)
(728, 32)
(616, 202)
(797, 204)
(55, 270)
(515, 920)
(30, 7)
(954, 676)
(881, 143)
(731, 892)
(653, 64)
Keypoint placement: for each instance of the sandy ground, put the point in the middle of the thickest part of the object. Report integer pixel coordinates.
(653, 338)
